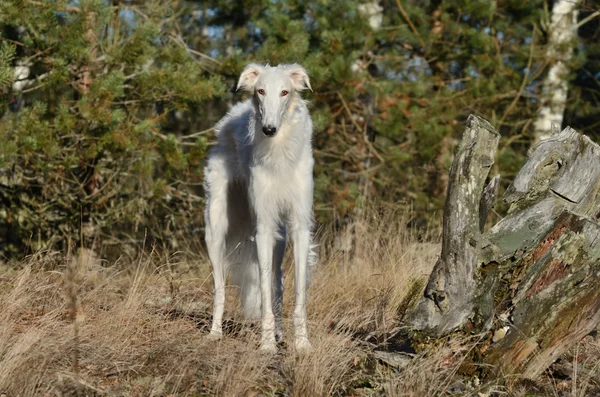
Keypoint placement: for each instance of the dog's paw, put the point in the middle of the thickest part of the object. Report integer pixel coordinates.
(303, 346)
(268, 347)
(214, 335)
(279, 335)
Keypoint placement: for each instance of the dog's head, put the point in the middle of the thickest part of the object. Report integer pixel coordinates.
(273, 89)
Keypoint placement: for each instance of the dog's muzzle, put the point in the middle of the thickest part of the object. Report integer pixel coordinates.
(269, 130)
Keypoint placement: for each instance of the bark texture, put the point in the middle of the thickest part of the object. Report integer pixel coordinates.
(530, 283)
(551, 302)
(452, 284)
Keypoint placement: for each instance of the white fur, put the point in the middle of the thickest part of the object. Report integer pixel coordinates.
(259, 188)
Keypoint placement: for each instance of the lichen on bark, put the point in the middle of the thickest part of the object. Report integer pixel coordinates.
(528, 285)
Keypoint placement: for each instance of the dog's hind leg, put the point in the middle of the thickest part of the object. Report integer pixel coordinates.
(216, 251)
(300, 233)
(278, 255)
(215, 241)
(217, 223)
(301, 239)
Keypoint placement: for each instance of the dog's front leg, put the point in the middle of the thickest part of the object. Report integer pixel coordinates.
(265, 242)
(301, 239)
(278, 255)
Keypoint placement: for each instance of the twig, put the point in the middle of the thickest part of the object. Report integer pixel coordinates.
(345, 104)
(39, 53)
(137, 10)
(179, 40)
(159, 135)
(202, 55)
(367, 142)
(523, 83)
(13, 41)
(197, 134)
(365, 172)
(412, 26)
(37, 87)
(328, 154)
(586, 20)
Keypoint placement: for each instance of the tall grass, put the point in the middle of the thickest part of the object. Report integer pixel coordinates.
(78, 326)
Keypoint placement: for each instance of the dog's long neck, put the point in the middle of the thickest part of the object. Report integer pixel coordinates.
(285, 148)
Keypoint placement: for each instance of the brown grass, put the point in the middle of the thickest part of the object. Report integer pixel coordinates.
(140, 328)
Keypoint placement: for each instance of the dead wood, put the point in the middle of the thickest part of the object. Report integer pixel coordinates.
(529, 285)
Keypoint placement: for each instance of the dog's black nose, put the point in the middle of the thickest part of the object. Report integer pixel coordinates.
(269, 130)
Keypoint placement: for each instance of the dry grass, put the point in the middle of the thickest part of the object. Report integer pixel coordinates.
(140, 329)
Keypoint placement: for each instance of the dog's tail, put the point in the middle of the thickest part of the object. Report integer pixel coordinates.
(245, 275)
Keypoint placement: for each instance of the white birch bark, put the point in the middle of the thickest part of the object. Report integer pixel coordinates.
(374, 12)
(563, 31)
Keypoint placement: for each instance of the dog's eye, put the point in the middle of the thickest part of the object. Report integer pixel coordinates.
(284, 93)
(261, 91)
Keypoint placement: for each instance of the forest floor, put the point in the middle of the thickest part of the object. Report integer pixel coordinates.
(139, 329)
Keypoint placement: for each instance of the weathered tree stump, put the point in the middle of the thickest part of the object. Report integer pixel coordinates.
(452, 285)
(531, 283)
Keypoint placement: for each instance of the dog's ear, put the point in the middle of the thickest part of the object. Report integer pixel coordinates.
(299, 77)
(249, 77)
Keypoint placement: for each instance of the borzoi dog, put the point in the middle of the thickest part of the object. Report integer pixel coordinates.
(259, 187)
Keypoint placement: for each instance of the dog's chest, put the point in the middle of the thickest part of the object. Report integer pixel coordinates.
(272, 184)
(282, 151)
(281, 188)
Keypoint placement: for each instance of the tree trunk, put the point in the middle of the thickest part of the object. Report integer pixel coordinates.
(562, 34)
(529, 284)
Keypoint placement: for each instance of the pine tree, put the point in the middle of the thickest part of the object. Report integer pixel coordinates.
(89, 153)
(389, 99)
(108, 106)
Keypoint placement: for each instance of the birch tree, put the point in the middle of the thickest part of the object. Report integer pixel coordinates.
(555, 87)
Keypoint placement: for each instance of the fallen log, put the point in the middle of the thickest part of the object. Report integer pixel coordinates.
(529, 285)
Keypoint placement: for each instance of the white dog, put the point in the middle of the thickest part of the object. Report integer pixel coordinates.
(259, 186)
